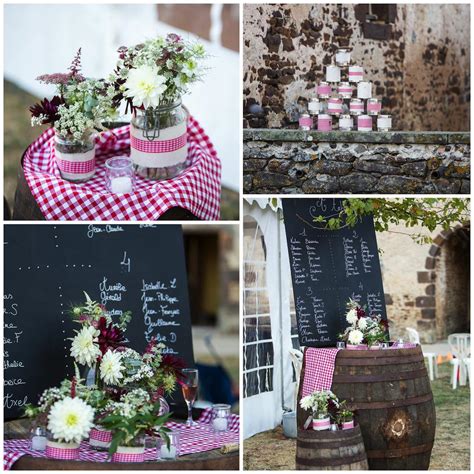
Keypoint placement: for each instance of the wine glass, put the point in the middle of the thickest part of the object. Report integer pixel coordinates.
(189, 387)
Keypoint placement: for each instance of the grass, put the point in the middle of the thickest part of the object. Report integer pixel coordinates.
(451, 451)
(18, 134)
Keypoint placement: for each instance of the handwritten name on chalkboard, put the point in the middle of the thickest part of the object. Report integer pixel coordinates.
(328, 267)
(127, 268)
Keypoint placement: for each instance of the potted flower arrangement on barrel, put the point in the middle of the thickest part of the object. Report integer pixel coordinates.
(152, 77)
(363, 332)
(76, 112)
(320, 402)
(345, 417)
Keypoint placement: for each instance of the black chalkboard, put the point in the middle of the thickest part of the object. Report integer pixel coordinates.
(140, 268)
(328, 267)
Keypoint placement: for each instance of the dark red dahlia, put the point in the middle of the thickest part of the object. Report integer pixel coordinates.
(73, 387)
(174, 365)
(110, 336)
(47, 108)
(360, 312)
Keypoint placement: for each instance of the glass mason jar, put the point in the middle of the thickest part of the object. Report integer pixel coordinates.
(158, 141)
(75, 158)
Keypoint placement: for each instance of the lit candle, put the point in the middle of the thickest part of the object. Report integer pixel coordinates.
(219, 424)
(333, 74)
(38, 443)
(364, 123)
(356, 107)
(344, 89)
(324, 90)
(373, 106)
(324, 123)
(121, 184)
(345, 124)
(384, 123)
(356, 73)
(168, 453)
(364, 90)
(313, 106)
(343, 57)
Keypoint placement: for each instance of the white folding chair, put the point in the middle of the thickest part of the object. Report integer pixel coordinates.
(460, 345)
(414, 336)
(467, 364)
(297, 361)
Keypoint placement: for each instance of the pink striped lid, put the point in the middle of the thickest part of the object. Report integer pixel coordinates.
(324, 89)
(377, 106)
(364, 122)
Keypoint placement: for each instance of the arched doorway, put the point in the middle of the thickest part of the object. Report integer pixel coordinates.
(452, 284)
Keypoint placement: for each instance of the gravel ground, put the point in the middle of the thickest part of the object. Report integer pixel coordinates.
(451, 451)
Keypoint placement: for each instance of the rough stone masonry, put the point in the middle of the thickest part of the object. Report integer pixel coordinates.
(311, 162)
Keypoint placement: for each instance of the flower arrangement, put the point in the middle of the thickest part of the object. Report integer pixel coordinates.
(79, 107)
(363, 329)
(156, 72)
(319, 401)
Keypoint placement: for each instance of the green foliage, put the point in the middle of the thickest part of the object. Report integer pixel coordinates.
(428, 213)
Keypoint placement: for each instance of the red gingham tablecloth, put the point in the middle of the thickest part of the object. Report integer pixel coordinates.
(195, 439)
(197, 189)
(318, 369)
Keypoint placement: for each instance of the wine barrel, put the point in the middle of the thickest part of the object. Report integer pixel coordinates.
(330, 450)
(391, 393)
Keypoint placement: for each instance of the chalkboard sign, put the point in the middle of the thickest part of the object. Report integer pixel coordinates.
(328, 267)
(140, 268)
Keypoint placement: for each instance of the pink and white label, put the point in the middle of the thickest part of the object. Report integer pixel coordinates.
(356, 106)
(348, 425)
(356, 347)
(127, 455)
(324, 90)
(364, 122)
(100, 438)
(344, 90)
(321, 424)
(56, 451)
(159, 146)
(356, 73)
(306, 122)
(374, 107)
(324, 124)
(76, 166)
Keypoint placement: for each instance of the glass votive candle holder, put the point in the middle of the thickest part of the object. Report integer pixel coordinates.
(168, 452)
(340, 344)
(119, 175)
(220, 417)
(385, 345)
(38, 438)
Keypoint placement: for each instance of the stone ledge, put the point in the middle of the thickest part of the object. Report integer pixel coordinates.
(289, 135)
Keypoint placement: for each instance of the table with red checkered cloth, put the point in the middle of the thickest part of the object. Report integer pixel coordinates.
(318, 369)
(194, 439)
(197, 189)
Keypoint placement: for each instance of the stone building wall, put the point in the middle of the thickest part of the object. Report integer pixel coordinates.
(420, 64)
(292, 161)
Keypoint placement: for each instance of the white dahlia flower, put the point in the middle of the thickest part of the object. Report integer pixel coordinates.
(84, 348)
(362, 324)
(70, 420)
(355, 337)
(111, 367)
(145, 86)
(351, 316)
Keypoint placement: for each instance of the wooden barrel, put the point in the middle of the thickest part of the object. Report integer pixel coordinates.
(391, 394)
(330, 450)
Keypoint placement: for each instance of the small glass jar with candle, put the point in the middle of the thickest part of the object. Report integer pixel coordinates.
(343, 57)
(364, 123)
(374, 106)
(340, 344)
(324, 123)
(346, 123)
(364, 90)
(38, 438)
(334, 106)
(166, 452)
(356, 73)
(119, 175)
(313, 106)
(220, 417)
(344, 90)
(305, 122)
(384, 123)
(333, 73)
(324, 90)
(356, 107)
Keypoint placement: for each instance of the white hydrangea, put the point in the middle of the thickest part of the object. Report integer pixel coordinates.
(355, 337)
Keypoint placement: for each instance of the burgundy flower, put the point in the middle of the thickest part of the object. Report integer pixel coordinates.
(122, 51)
(173, 38)
(73, 387)
(75, 66)
(174, 365)
(110, 336)
(360, 312)
(47, 108)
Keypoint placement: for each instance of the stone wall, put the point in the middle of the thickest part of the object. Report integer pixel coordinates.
(418, 60)
(294, 161)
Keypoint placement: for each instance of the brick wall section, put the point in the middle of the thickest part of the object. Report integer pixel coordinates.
(294, 161)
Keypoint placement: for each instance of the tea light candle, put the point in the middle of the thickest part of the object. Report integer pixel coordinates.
(219, 424)
(168, 453)
(324, 123)
(356, 73)
(364, 90)
(364, 123)
(38, 443)
(335, 106)
(344, 90)
(313, 106)
(345, 124)
(374, 106)
(324, 90)
(356, 107)
(343, 57)
(121, 184)
(384, 123)
(305, 122)
(333, 73)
